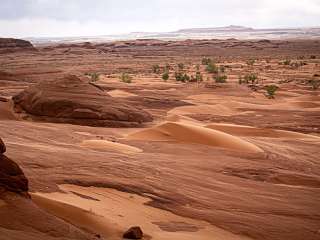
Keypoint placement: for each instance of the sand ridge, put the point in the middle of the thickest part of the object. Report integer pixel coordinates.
(242, 130)
(183, 132)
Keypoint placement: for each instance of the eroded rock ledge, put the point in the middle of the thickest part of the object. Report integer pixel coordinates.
(72, 100)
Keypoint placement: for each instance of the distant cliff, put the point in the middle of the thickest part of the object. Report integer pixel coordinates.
(8, 45)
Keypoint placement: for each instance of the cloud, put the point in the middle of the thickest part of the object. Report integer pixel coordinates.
(22, 18)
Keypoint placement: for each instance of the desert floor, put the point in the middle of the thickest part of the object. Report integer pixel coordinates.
(219, 161)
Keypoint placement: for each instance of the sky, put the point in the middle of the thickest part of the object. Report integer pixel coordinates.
(63, 18)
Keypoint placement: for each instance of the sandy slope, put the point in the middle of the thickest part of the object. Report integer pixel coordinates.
(102, 210)
(241, 130)
(183, 132)
(104, 145)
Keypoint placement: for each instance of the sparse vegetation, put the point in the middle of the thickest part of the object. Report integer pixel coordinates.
(156, 69)
(222, 68)
(287, 62)
(313, 57)
(182, 77)
(165, 76)
(271, 90)
(126, 78)
(220, 78)
(206, 61)
(250, 78)
(212, 68)
(315, 84)
(93, 76)
(197, 78)
(180, 66)
(251, 62)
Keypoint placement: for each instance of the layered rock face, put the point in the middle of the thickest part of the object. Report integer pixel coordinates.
(8, 45)
(11, 176)
(72, 100)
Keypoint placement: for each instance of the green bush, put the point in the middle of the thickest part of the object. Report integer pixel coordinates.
(181, 77)
(94, 76)
(287, 62)
(220, 78)
(206, 61)
(212, 68)
(271, 90)
(315, 84)
(126, 78)
(250, 78)
(222, 68)
(165, 76)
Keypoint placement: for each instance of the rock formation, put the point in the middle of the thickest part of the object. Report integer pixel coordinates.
(133, 233)
(11, 176)
(8, 45)
(72, 100)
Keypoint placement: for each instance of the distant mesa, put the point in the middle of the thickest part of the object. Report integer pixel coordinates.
(231, 28)
(73, 100)
(8, 45)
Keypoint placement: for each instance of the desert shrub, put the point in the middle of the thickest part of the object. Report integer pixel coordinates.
(315, 84)
(198, 67)
(206, 61)
(220, 78)
(180, 66)
(126, 78)
(251, 62)
(271, 90)
(250, 78)
(182, 77)
(165, 76)
(313, 57)
(212, 68)
(287, 62)
(94, 76)
(156, 69)
(197, 78)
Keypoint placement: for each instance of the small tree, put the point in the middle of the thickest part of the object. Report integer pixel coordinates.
(271, 90)
(126, 78)
(165, 76)
(212, 68)
(220, 78)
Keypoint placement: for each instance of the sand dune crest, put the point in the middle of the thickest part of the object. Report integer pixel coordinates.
(189, 133)
(242, 130)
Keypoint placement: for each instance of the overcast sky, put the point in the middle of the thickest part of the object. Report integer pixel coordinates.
(36, 18)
